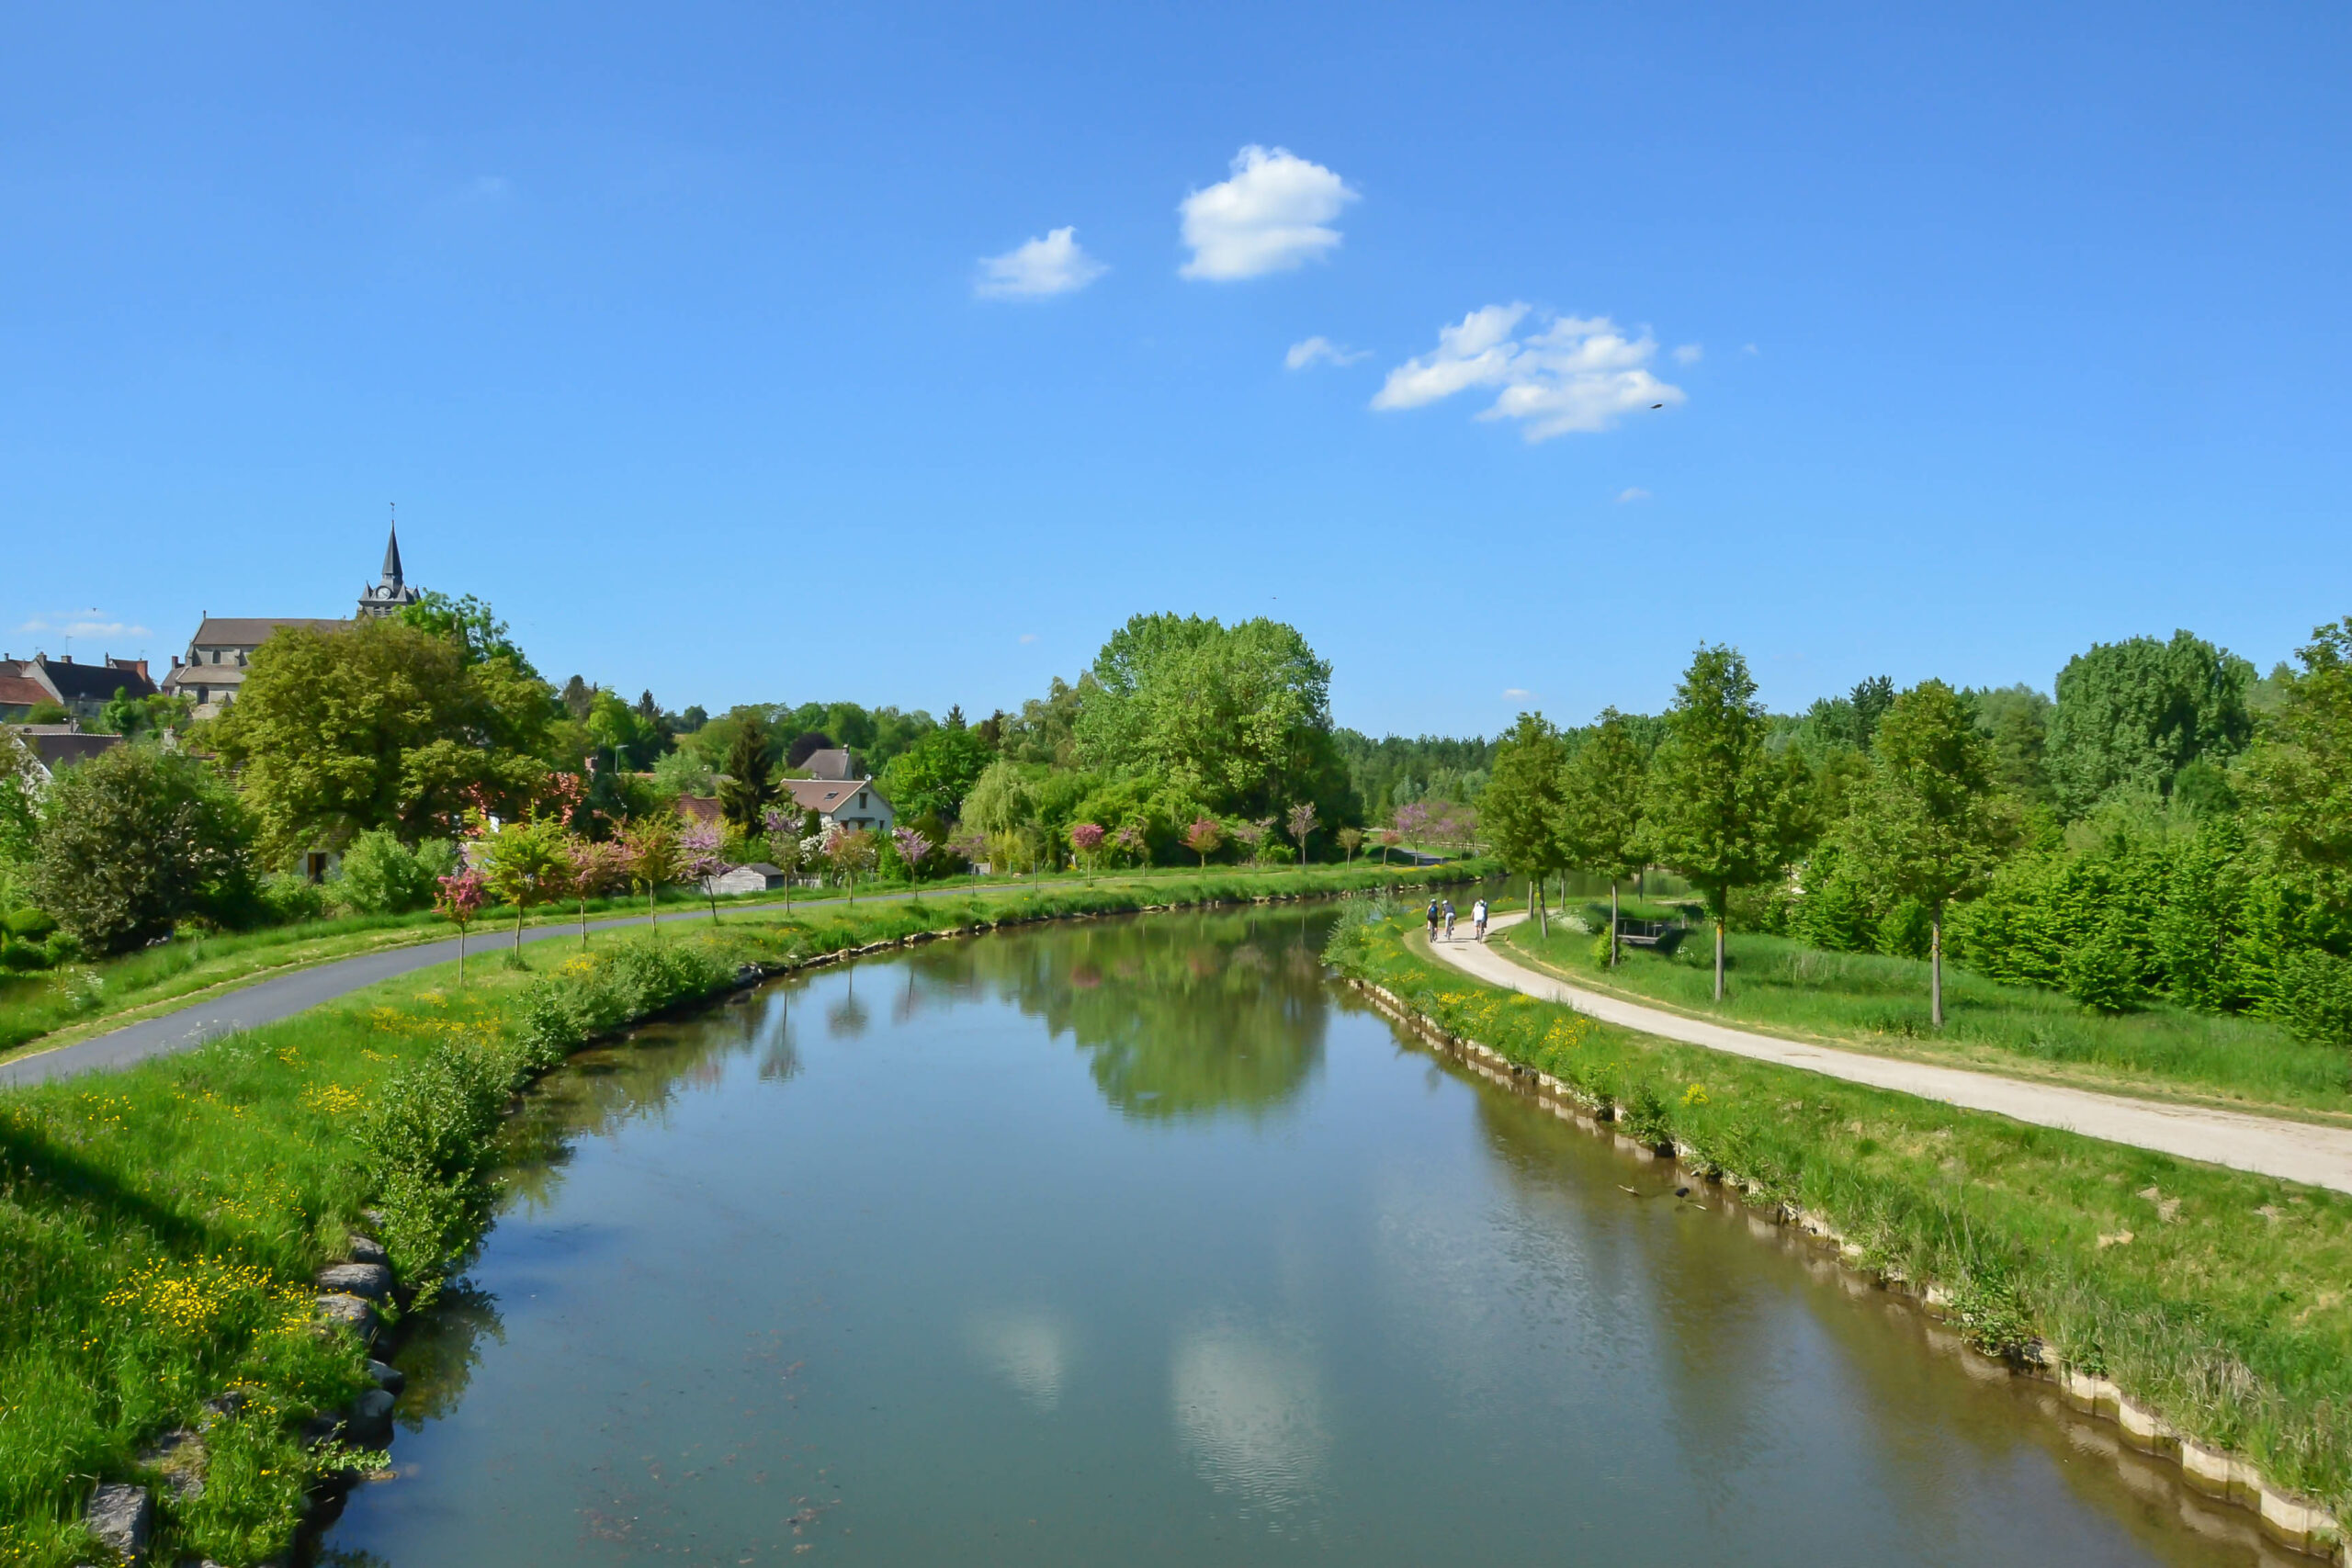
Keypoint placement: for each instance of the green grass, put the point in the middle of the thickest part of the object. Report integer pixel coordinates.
(2229, 1317)
(56, 1006)
(159, 1226)
(1878, 1003)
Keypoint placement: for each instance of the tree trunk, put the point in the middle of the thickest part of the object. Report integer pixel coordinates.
(1613, 923)
(1936, 969)
(518, 927)
(1535, 897)
(1719, 958)
(461, 957)
(583, 920)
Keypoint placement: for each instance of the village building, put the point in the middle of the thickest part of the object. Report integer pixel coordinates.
(82, 690)
(224, 645)
(844, 803)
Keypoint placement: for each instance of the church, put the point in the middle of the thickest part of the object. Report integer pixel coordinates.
(218, 654)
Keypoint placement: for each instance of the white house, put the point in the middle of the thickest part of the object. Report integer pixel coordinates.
(852, 803)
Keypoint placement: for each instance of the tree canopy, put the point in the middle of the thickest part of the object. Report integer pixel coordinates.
(2131, 715)
(379, 724)
(1240, 715)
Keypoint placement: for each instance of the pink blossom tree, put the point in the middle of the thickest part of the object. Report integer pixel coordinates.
(1130, 841)
(459, 900)
(1085, 838)
(1202, 837)
(783, 845)
(597, 868)
(1302, 822)
(911, 846)
(699, 861)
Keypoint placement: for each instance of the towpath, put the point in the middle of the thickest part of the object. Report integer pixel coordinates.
(283, 995)
(2294, 1151)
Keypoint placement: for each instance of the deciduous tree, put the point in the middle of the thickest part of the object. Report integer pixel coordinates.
(1713, 811)
(133, 841)
(1925, 827)
(1602, 796)
(1521, 809)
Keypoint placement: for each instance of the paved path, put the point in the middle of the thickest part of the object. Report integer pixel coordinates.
(266, 1001)
(2296, 1151)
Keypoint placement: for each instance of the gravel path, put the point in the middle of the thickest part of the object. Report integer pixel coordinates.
(2294, 1151)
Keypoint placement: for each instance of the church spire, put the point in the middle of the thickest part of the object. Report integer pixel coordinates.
(392, 556)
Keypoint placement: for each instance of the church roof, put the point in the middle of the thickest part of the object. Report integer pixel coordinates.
(392, 556)
(252, 631)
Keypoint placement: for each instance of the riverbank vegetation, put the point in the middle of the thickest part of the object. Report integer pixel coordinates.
(1879, 1002)
(2213, 1297)
(2170, 832)
(159, 1226)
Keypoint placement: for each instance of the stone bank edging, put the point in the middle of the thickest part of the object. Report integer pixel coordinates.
(2285, 1519)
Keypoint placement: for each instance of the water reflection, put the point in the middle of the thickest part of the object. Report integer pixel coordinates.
(1181, 1016)
(1248, 1407)
(1029, 1351)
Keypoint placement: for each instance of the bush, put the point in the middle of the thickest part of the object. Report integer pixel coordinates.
(289, 896)
(426, 1143)
(2315, 996)
(383, 876)
(133, 841)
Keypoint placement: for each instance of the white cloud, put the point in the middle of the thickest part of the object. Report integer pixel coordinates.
(1273, 215)
(1688, 354)
(1517, 694)
(1632, 492)
(1028, 637)
(1572, 373)
(1322, 351)
(1751, 348)
(1054, 265)
(80, 626)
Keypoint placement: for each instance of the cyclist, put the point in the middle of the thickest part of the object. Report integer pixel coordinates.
(1449, 920)
(1433, 920)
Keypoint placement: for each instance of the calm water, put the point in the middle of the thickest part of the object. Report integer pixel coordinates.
(1140, 1242)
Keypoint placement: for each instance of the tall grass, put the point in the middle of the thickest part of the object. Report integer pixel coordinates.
(1880, 1003)
(2215, 1297)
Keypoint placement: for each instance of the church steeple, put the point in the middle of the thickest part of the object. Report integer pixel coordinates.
(392, 591)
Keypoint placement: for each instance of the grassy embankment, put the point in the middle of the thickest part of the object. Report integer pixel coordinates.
(159, 1226)
(2215, 1298)
(49, 1007)
(1880, 1004)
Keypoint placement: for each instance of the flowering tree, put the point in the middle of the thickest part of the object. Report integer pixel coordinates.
(783, 845)
(1412, 823)
(1351, 840)
(1085, 838)
(1202, 837)
(700, 861)
(651, 846)
(1389, 839)
(1130, 841)
(1302, 822)
(851, 852)
(460, 900)
(1254, 835)
(596, 869)
(526, 864)
(911, 846)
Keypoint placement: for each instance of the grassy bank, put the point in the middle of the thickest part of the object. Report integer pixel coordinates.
(2215, 1298)
(159, 1226)
(49, 1007)
(1880, 1004)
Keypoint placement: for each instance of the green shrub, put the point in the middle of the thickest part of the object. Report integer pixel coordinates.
(287, 897)
(383, 876)
(426, 1139)
(133, 841)
(2315, 996)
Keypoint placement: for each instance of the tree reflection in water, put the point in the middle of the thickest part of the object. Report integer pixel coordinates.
(1221, 1012)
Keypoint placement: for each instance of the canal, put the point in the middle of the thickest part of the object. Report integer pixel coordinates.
(1143, 1241)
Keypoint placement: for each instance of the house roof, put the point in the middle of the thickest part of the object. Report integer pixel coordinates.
(826, 796)
(59, 744)
(252, 631)
(698, 808)
(835, 764)
(92, 682)
(17, 691)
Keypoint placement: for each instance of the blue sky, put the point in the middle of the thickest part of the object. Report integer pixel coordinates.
(673, 333)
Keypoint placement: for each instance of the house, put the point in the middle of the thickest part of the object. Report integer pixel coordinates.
(82, 690)
(757, 877)
(223, 645)
(55, 745)
(846, 803)
(19, 694)
(839, 765)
